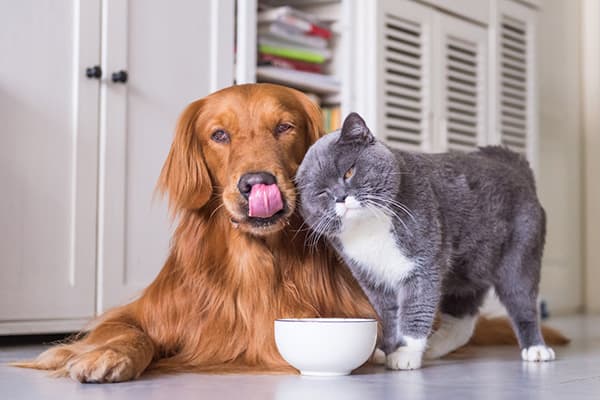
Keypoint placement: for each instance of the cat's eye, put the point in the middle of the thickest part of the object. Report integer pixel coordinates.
(282, 128)
(349, 173)
(220, 136)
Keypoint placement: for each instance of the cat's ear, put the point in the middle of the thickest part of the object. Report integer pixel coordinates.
(355, 129)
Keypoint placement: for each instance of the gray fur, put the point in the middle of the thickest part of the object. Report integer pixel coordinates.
(469, 221)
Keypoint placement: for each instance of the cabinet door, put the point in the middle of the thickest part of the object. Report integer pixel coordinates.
(174, 52)
(403, 74)
(48, 164)
(460, 84)
(515, 123)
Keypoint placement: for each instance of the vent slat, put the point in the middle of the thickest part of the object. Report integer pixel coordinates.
(391, 61)
(398, 23)
(399, 48)
(470, 91)
(403, 37)
(400, 135)
(459, 107)
(403, 82)
(469, 79)
(402, 69)
(514, 122)
(513, 55)
(460, 147)
(465, 139)
(402, 103)
(457, 97)
(515, 135)
(409, 126)
(462, 119)
(404, 114)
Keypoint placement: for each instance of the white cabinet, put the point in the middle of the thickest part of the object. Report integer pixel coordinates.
(48, 162)
(80, 156)
(174, 52)
(429, 82)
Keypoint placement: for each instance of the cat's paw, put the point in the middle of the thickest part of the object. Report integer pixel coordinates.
(537, 353)
(378, 357)
(404, 359)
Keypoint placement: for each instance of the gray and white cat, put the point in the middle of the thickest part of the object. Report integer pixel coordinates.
(428, 232)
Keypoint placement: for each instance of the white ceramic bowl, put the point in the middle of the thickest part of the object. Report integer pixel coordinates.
(326, 346)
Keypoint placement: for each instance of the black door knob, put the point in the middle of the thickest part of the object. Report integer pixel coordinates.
(94, 72)
(119, 76)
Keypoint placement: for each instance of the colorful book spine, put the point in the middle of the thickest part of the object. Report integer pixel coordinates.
(294, 54)
(269, 59)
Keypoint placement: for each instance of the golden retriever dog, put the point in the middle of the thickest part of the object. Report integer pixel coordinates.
(238, 259)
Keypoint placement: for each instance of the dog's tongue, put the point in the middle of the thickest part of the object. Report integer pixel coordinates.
(264, 201)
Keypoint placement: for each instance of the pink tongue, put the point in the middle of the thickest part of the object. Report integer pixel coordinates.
(264, 201)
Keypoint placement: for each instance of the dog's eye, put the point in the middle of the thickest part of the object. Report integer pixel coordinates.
(349, 173)
(282, 128)
(220, 136)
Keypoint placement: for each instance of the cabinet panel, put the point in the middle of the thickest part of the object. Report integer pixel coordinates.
(174, 52)
(48, 160)
(404, 74)
(460, 84)
(515, 121)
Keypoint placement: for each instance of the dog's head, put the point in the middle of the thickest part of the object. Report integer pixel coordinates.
(241, 146)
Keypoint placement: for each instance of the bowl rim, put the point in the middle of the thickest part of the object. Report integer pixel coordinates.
(327, 320)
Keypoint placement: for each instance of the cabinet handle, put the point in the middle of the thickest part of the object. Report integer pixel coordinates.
(120, 76)
(94, 72)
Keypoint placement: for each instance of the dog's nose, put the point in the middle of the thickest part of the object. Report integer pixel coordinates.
(254, 178)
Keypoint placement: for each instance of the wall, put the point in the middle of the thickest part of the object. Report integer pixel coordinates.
(591, 145)
(560, 130)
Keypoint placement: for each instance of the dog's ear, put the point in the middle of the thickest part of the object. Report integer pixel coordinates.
(184, 176)
(314, 118)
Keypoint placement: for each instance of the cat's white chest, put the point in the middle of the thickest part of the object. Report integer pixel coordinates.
(369, 241)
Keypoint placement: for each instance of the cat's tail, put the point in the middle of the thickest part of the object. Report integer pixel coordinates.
(498, 331)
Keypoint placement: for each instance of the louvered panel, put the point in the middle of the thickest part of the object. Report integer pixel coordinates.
(513, 84)
(463, 89)
(404, 58)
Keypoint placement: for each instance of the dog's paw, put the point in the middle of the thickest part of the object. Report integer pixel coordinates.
(537, 353)
(404, 359)
(54, 359)
(378, 357)
(102, 365)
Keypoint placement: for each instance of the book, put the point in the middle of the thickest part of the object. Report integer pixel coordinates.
(289, 16)
(295, 53)
(316, 83)
(269, 59)
(280, 32)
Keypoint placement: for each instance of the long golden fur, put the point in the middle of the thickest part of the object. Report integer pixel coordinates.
(226, 280)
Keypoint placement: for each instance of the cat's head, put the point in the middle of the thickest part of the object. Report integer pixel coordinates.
(346, 176)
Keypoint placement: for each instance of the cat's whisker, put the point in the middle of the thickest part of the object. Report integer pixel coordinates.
(386, 210)
(392, 202)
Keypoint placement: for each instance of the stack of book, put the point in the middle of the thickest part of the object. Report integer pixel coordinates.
(332, 118)
(293, 49)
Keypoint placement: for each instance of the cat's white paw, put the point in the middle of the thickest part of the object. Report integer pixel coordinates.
(378, 357)
(404, 358)
(538, 353)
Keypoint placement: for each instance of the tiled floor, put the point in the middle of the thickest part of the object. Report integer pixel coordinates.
(478, 373)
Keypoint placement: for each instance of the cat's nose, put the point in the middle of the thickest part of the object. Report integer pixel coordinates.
(254, 178)
(341, 198)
